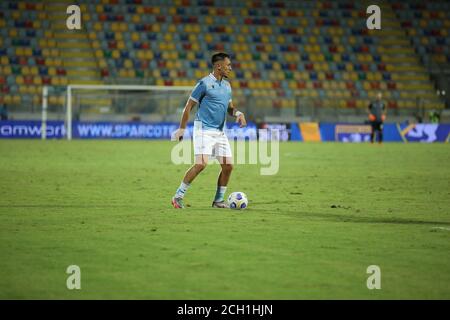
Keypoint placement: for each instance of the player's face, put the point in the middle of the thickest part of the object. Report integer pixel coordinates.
(226, 67)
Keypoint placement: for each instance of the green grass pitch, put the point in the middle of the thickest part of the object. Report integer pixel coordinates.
(310, 231)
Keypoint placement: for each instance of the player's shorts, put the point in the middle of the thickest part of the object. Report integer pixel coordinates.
(377, 125)
(209, 142)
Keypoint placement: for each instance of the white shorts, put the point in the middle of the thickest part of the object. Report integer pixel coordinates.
(212, 143)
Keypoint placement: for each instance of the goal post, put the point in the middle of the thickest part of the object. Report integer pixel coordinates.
(117, 102)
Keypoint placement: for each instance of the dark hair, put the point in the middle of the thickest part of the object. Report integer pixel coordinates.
(219, 57)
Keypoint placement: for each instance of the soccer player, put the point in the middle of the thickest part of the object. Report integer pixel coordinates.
(213, 96)
(377, 115)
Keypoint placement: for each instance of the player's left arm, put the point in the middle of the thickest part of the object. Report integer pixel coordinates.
(240, 117)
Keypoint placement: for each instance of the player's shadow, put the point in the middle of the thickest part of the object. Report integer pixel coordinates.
(357, 219)
(71, 206)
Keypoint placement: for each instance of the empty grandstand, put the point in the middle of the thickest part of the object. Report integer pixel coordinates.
(307, 59)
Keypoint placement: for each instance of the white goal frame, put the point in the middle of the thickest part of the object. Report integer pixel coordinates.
(73, 87)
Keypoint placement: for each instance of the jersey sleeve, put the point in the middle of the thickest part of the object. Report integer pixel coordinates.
(199, 92)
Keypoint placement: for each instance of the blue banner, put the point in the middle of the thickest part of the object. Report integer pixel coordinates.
(392, 132)
(108, 130)
(424, 132)
(18, 129)
(125, 130)
(287, 131)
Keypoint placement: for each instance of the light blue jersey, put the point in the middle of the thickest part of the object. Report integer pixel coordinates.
(213, 97)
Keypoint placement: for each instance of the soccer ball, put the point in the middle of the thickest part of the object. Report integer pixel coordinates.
(237, 200)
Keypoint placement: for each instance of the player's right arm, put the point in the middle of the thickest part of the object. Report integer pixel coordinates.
(197, 94)
(178, 135)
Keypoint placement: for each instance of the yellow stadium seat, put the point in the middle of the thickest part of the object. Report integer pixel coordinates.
(156, 73)
(123, 73)
(170, 65)
(209, 20)
(26, 71)
(98, 26)
(128, 63)
(177, 64)
(16, 99)
(149, 55)
(60, 100)
(135, 36)
(172, 28)
(195, 46)
(52, 100)
(190, 56)
(240, 38)
(199, 74)
(102, 63)
(8, 99)
(140, 54)
(13, 33)
(32, 90)
(6, 70)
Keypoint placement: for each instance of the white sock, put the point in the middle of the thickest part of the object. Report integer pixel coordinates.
(182, 190)
(220, 193)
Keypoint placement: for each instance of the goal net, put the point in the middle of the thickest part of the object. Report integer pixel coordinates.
(118, 103)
